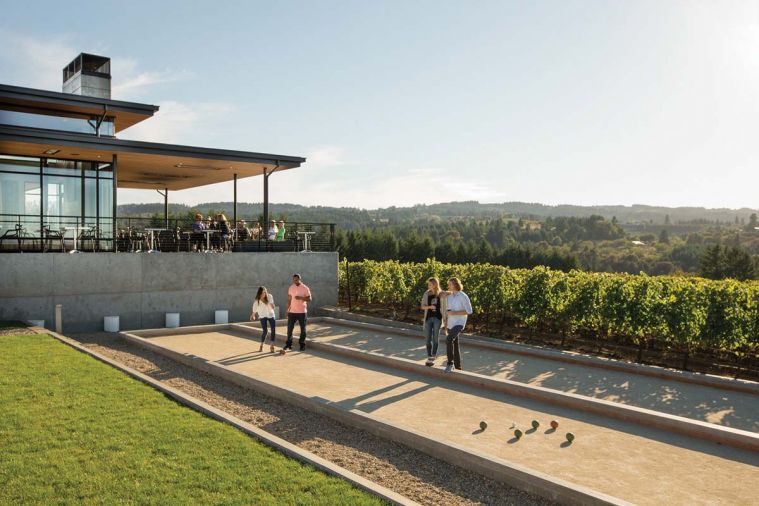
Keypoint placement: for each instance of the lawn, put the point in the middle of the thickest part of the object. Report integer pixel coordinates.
(74, 430)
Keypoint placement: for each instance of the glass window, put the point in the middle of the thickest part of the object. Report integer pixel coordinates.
(77, 124)
(90, 169)
(19, 164)
(106, 200)
(63, 167)
(63, 196)
(19, 201)
(105, 170)
(90, 198)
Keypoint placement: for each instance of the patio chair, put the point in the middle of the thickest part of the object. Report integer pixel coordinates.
(16, 234)
(51, 237)
(168, 240)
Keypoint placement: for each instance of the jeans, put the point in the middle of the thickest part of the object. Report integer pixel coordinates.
(452, 346)
(432, 332)
(291, 319)
(265, 323)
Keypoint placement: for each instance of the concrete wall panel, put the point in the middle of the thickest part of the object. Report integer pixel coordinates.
(140, 288)
(81, 274)
(25, 274)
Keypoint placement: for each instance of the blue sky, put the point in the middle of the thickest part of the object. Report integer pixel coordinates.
(405, 102)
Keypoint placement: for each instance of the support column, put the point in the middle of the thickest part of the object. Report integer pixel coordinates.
(234, 210)
(265, 224)
(166, 207)
(114, 232)
(266, 198)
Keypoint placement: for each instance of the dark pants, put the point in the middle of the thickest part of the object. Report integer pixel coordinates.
(265, 323)
(291, 319)
(452, 346)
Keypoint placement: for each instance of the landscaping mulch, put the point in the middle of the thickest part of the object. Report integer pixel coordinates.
(408, 472)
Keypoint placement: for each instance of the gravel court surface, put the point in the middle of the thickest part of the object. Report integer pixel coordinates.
(714, 405)
(410, 473)
(637, 464)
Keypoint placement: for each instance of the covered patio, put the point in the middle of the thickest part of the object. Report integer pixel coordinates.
(165, 168)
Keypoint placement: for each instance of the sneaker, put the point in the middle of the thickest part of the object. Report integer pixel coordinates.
(430, 362)
(302, 348)
(449, 368)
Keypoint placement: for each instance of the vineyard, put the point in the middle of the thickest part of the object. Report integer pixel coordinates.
(687, 316)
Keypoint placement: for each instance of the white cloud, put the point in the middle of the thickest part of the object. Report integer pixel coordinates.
(181, 123)
(35, 63)
(327, 156)
(377, 186)
(131, 83)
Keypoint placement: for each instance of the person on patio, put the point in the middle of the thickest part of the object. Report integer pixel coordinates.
(273, 231)
(243, 234)
(224, 230)
(197, 239)
(281, 231)
(298, 297)
(255, 232)
(263, 310)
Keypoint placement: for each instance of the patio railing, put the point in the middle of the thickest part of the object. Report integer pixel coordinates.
(30, 233)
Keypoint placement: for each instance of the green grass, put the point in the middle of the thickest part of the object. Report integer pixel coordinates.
(74, 430)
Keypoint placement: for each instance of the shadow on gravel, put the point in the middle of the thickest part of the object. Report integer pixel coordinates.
(405, 470)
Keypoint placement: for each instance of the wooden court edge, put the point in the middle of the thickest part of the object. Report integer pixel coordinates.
(389, 326)
(280, 445)
(625, 412)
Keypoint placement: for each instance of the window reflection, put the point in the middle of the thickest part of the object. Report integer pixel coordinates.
(77, 124)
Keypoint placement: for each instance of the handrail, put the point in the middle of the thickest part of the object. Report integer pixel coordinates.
(35, 232)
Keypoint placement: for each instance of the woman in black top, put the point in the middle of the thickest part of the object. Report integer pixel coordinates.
(433, 305)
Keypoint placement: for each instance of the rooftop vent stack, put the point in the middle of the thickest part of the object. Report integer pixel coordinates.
(88, 75)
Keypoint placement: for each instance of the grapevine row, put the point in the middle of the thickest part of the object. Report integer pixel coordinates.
(685, 313)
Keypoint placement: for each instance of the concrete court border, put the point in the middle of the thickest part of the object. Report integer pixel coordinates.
(267, 438)
(501, 470)
(627, 413)
(711, 380)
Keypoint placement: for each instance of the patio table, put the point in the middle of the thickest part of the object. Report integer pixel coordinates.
(208, 233)
(306, 241)
(151, 233)
(76, 229)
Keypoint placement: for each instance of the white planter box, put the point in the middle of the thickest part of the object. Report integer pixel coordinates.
(172, 320)
(111, 323)
(221, 316)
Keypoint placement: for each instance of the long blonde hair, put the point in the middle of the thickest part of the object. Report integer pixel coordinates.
(436, 285)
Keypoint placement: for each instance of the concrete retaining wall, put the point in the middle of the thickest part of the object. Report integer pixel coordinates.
(142, 287)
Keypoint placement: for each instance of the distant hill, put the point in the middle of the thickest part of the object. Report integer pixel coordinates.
(351, 218)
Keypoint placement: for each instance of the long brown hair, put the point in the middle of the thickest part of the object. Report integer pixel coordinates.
(261, 290)
(436, 282)
(457, 283)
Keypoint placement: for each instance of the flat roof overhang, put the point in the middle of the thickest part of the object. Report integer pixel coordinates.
(125, 114)
(146, 165)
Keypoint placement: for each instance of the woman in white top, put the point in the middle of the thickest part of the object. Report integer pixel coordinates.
(273, 231)
(263, 310)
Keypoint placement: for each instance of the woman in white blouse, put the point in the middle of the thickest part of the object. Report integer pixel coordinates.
(263, 310)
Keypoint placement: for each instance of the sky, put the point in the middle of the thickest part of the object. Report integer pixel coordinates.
(396, 103)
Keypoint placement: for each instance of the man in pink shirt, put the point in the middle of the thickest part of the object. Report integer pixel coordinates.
(298, 297)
